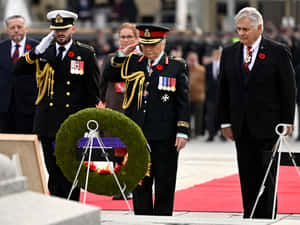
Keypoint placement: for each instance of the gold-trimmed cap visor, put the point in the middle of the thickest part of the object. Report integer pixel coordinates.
(149, 41)
(61, 19)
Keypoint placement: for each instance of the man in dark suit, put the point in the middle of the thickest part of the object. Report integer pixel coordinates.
(157, 98)
(68, 82)
(212, 85)
(17, 94)
(257, 92)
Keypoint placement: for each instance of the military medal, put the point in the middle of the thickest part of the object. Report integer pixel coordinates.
(248, 59)
(150, 71)
(165, 82)
(173, 84)
(169, 84)
(160, 83)
(77, 67)
(146, 93)
(165, 98)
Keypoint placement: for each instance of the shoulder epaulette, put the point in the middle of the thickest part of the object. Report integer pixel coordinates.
(85, 46)
(176, 58)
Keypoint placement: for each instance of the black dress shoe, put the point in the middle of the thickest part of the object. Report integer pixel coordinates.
(210, 139)
(222, 138)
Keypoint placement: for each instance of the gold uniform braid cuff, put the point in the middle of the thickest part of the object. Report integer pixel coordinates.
(44, 79)
(138, 78)
(183, 124)
(114, 64)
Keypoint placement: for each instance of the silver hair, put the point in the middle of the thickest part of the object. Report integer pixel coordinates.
(13, 17)
(252, 14)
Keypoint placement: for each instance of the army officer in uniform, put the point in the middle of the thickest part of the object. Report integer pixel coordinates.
(71, 72)
(157, 98)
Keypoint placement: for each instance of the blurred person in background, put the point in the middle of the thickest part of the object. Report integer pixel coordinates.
(112, 94)
(212, 76)
(17, 93)
(197, 93)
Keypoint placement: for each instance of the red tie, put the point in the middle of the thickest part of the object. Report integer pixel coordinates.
(15, 56)
(248, 59)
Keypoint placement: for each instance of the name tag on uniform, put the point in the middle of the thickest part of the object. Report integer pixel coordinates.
(167, 83)
(77, 67)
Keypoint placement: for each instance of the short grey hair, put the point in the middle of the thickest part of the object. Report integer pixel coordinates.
(13, 17)
(252, 14)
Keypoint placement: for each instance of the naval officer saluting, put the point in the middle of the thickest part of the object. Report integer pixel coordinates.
(71, 72)
(157, 98)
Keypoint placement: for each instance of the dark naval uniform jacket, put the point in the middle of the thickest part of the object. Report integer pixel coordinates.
(163, 109)
(73, 86)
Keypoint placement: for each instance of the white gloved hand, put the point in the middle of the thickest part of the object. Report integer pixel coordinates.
(44, 44)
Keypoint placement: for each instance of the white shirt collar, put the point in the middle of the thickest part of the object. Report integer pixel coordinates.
(67, 47)
(255, 45)
(21, 43)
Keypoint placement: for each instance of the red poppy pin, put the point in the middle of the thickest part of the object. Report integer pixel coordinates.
(27, 47)
(262, 56)
(159, 67)
(71, 54)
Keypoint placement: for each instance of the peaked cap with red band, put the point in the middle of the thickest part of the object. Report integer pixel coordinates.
(151, 34)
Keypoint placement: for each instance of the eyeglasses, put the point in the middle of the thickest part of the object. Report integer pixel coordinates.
(127, 37)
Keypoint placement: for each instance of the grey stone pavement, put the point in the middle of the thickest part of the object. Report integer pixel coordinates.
(199, 162)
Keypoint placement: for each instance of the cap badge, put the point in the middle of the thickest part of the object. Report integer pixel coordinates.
(59, 19)
(147, 33)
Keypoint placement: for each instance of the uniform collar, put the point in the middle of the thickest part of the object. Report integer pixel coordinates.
(156, 61)
(67, 46)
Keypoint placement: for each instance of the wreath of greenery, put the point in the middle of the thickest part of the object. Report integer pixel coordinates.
(119, 125)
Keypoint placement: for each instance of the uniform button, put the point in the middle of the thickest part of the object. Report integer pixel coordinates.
(68, 82)
(68, 93)
(50, 104)
(67, 105)
(144, 110)
(145, 101)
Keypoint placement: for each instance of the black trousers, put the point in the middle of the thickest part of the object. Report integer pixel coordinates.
(253, 157)
(164, 158)
(58, 184)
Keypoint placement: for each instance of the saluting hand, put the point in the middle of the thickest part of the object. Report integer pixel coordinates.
(44, 44)
(130, 48)
(180, 143)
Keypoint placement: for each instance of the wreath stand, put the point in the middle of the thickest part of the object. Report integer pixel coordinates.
(276, 149)
(92, 134)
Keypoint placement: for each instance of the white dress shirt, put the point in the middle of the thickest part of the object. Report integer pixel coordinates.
(21, 48)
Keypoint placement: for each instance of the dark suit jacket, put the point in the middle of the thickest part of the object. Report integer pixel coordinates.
(211, 84)
(161, 111)
(22, 88)
(261, 99)
(72, 92)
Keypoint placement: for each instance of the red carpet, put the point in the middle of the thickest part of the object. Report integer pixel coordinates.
(219, 195)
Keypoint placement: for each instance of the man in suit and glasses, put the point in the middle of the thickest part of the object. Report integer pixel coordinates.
(257, 92)
(17, 94)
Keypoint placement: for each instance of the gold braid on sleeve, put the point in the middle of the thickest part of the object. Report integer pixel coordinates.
(44, 79)
(138, 78)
